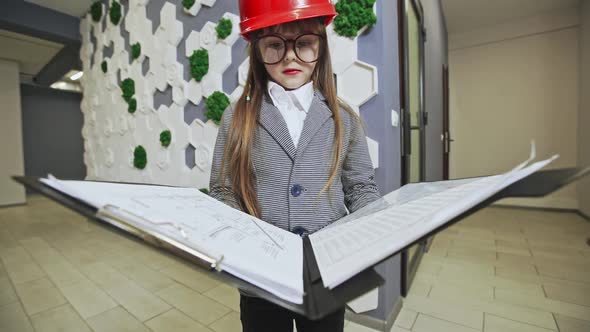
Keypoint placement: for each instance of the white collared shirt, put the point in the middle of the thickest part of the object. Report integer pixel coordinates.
(293, 105)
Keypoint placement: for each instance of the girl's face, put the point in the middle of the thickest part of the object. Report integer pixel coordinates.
(301, 44)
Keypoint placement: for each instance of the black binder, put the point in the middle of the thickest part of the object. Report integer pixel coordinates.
(318, 301)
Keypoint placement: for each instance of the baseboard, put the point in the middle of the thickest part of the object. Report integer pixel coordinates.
(375, 323)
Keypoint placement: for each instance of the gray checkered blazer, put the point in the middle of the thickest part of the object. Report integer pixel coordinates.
(289, 179)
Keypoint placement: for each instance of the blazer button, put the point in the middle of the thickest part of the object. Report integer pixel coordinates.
(299, 231)
(296, 190)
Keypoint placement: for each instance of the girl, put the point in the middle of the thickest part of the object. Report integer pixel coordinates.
(289, 152)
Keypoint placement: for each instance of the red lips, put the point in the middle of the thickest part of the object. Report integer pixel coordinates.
(291, 71)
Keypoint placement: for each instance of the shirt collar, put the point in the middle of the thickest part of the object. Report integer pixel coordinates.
(303, 95)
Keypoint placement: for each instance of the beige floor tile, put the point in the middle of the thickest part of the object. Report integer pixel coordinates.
(7, 293)
(116, 319)
(499, 324)
(398, 329)
(39, 295)
(543, 304)
(523, 289)
(226, 295)
(151, 280)
(472, 253)
(517, 251)
(515, 259)
(465, 292)
(60, 319)
(104, 275)
(88, 299)
(24, 271)
(459, 266)
(568, 324)
(426, 323)
(406, 318)
(175, 321)
(577, 295)
(78, 256)
(455, 312)
(518, 270)
(190, 277)
(519, 313)
(354, 327)
(139, 302)
(155, 259)
(62, 273)
(517, 244)
(228, 323)
(193, 304)
(13, 318)
(419, 288)
(575, 274)
(509, 273)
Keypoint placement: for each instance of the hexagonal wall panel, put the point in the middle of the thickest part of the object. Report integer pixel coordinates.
(208, 36)
(193, 43)
(358, 83)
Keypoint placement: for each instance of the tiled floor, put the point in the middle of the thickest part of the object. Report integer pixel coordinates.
(500, 270)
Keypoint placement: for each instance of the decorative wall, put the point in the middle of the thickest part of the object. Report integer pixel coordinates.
(139, 83)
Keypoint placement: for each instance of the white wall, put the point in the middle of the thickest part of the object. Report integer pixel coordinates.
(510, 84)
(11, 144)
(584, 115)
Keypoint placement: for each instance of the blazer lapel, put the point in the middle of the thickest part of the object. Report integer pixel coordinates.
(274, 123)
(317, 115)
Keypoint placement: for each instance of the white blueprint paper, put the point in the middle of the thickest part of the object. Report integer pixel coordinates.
(384, 227)
(262, 254)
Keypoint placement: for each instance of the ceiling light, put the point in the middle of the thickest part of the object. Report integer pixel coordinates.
(76, 75)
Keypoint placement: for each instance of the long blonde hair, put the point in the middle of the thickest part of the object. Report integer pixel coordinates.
(238, 147)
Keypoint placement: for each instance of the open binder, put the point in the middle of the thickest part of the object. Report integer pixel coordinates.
(318, 299)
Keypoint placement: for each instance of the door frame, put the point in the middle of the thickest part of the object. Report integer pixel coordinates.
(409, 265)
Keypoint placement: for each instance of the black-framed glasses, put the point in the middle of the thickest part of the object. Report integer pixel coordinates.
(271, 49)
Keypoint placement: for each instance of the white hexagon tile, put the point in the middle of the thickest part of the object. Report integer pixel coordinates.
(358, 83)
(343, 50)
(235, 32)
(203, 136)
(194, 9)
(219, 58)
(208, 36)
(243, 72)
(193, 43)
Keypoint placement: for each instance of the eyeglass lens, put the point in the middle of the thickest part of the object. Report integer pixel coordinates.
(272, 49)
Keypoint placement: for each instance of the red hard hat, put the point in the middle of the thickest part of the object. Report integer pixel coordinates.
(259, 14)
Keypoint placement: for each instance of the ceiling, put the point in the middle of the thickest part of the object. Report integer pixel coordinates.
(75, 8)
(31, 53)
(468, 15)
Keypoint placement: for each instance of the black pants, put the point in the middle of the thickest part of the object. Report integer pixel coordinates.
(258, 315)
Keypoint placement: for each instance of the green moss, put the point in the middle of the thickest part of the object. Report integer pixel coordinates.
(104, 66)
(115, 12)
(132, 105)
(188, 3)
(353, 15)
(96, 11)
(223, 28)
(135, 50)
(128, 88)
(199, 62)
(204, 190)
(216, 103)
(139, 157)
(165, 138)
